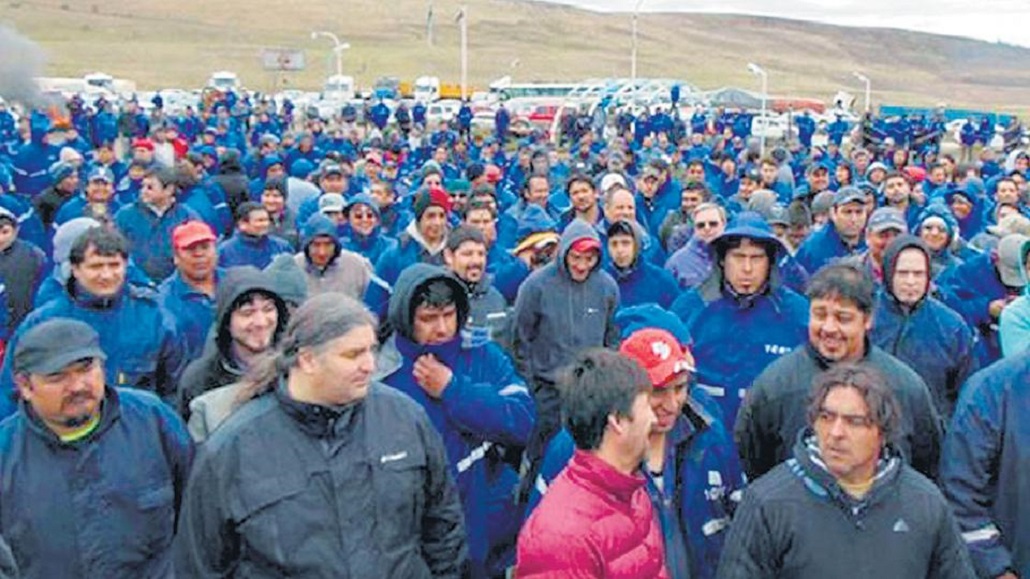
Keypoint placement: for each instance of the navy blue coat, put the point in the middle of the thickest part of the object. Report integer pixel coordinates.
(822, 247)
(985, 467)
(243, 249)
(736, 338)
(104, 506)
(969, 288)
(150, 235)
(485, 409)
(192, 311)
(143, 349)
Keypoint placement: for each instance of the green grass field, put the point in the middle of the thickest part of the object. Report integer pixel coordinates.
(178, 44)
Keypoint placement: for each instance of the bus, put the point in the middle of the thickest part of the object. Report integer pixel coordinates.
(504, 89)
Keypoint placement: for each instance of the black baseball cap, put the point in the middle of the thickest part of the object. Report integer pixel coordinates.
(55, 344)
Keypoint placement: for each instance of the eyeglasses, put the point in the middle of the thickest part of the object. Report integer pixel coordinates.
(829, 417)
(707, 224)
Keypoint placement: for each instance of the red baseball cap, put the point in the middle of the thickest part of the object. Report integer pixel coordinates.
(585, 244)
(658, 353)
(192, 232)
(143, 143)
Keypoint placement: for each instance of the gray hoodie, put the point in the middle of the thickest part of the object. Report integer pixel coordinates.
(556, 318)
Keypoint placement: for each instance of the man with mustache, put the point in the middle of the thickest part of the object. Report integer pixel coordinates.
(92, 475)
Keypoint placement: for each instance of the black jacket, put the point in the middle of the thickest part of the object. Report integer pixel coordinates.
(22, 266)
(775, 409)
(797, 522)
(216, 366)
(286, 489)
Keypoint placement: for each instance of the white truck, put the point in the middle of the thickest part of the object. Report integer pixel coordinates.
(224, 80)
(427, 89)
(338, 88)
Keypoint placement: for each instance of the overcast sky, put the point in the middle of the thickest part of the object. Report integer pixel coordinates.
(991, 20)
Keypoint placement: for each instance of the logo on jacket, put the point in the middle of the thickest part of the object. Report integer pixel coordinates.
(777, 349)
(393, 457)
(900, 526)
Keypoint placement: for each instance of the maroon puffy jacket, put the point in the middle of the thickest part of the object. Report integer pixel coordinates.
(594, 521)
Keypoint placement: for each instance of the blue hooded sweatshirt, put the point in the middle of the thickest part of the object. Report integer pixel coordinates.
(243, 249)
(775, 319)
(928, 336)
(485, 410)
(642, 282)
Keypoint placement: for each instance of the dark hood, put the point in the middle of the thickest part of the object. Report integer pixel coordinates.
(235, 284)
(401, 310)
(318, 225)
(230, 163)
(575, 231)
(890, 259)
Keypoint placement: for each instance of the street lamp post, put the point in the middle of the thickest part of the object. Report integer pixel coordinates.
(759, 71)
(868, 87)
(633, 51)
(463, 20)
(338, 48)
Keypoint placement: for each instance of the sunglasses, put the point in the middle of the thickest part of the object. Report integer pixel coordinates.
(707, 224)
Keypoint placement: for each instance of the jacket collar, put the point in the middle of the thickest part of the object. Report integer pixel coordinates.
(807, 464)
(601, 478)
(316, 420)
(85, 299)
(110, 412)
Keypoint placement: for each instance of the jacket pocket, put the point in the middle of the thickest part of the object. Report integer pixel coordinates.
(137, 373)
(154, 525)
(278, 515)
(399, 481)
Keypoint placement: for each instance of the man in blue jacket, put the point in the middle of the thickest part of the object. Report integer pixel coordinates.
(639, 282)
(92, 475)
(146, 352)
(148, 223)
(741, 317)
(252, 244)
(473, 397)
(841, 237)
(188, 295)
(984, 471)
(919, 329)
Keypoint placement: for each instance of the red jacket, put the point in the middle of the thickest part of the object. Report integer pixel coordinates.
(593, 522)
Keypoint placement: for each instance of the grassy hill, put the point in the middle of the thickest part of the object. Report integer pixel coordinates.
(163, 44)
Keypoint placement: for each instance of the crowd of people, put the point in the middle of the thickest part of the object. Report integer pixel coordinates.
(243, 344)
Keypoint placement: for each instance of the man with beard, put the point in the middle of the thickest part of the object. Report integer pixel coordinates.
(585, 201)
(250, 316)
(92, 474)
(326, 265)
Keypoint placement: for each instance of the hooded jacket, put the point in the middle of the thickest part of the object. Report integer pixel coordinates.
(30, 163)
(217, 366)
(985, 467)
(775, 318)
(288, 489)
(485, 409)
(929, 336)
(798, 522)
(594, 522)
(207, 200)
(774, 410)
(945, 258)
(823, 246)
(347, 272)
(691, 264)
(642, 282)
(1014, 324)
(556, 317)
(104, 506)
(969, 289)
(232, 180)
(143, 349)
